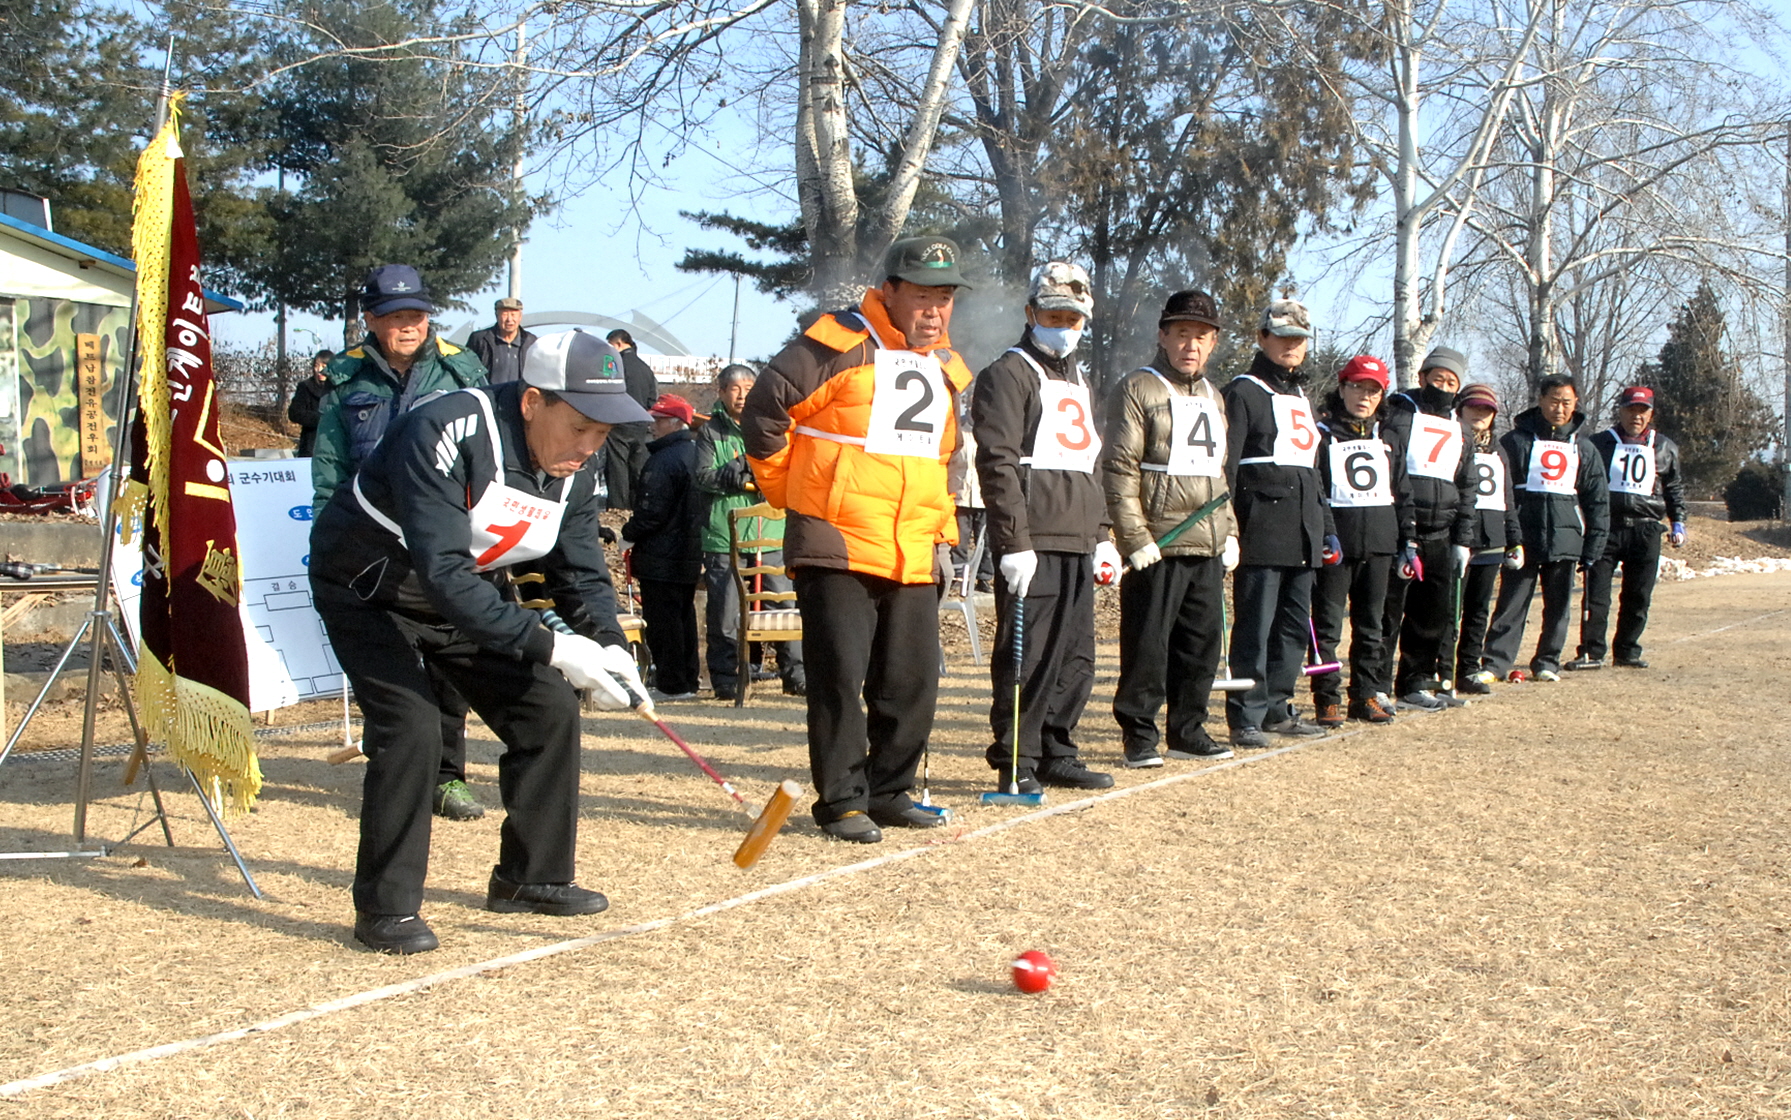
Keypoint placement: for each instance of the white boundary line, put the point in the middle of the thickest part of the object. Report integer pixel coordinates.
(421, 983)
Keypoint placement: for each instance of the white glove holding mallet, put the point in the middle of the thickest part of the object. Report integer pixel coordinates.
(582, 660)
(1145, 557)
(1017, 570)
(624, 677)
(1107, 563)
(1463, 554)
(1229, 555)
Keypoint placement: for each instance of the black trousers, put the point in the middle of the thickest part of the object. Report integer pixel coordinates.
(531, 707)
(1357, 588)
(721, 623)
(1505, 638)
(1169, 643)
(873, 682)
(1419, 619)
(1269, 637)
(625, 452)
(1636, 546)
(1476, 611)
(669, 610)
(451, 708)
(1057, 672)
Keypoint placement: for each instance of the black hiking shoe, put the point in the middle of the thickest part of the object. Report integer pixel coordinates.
(1070, 773)
(559, 899)
(1200, 748)
(1142, 757)
(908, 816)
(1249, 738)
(855, 827)
(398, 934)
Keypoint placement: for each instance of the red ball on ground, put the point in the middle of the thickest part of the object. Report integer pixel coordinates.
(1033, 971)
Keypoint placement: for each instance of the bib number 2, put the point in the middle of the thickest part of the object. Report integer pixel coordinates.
(909, 405)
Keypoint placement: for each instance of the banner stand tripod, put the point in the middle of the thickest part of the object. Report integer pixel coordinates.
(101, 628)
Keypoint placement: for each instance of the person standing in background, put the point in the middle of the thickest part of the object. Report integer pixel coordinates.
(306, 406)
(625, 454)
(504, 345)
(666, 532)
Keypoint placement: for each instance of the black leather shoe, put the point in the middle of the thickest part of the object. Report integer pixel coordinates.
(1070, 773)
(399, 934)
(854, 827)
(1200, 748)
(560, 899)
(1631, 663)
(911, 816)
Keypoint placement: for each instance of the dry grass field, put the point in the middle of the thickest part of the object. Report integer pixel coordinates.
(1569, 900)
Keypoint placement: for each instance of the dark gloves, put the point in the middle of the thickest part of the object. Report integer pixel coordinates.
(736, 474)
(1332, 552)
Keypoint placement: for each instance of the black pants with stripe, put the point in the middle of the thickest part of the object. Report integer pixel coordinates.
(871, 647)
(530, 706)
(1169, 643)
(1636, 546)
(1505, 638)
(1057, 670)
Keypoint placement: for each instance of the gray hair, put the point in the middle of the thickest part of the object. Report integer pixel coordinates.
(733, 373)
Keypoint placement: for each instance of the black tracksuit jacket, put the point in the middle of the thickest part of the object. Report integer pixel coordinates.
(1668, 498)
(1042, 510)
(433, 464)
(1283, 517)
(1367, 530)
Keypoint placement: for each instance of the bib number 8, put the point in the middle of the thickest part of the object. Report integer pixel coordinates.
(1484, 482)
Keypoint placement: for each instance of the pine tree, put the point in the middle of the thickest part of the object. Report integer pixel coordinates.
(1700, 398)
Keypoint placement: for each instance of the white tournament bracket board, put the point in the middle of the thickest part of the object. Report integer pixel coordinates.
(289, 654)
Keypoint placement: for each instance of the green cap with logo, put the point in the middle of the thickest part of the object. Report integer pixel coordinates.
(931, 262)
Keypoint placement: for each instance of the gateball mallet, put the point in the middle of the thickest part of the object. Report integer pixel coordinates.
(1012, 795)
(1317, 668)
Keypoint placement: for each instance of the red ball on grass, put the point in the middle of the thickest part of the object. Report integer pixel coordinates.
(1033, 972)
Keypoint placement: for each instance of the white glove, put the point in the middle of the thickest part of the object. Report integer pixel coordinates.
(623, 679)
(1107, 563)
(1514, 557)
(1017, 570)
(581, 660)
(1229, 555)
(1145, 557)
(623, 548)
(1463, 554)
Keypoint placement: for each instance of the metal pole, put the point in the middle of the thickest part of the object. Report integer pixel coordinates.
(518, 120)
(1785, 328)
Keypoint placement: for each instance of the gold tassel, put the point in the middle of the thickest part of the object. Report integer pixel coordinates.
(206, 731)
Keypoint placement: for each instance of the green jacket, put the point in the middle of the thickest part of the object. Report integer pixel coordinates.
(721, 473)
(358, 407)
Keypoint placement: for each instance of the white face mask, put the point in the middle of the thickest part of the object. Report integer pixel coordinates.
(1059, 342)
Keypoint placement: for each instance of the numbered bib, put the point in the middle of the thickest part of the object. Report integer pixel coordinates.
(1361, 474)
(1435, 447)
(1489, 481)
(1554, 467)
(511, 525)
(1632, 468)
(910, 405)
(1065, 439)
(1296, 432)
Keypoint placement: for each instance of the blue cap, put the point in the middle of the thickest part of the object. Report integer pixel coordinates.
(394, 287)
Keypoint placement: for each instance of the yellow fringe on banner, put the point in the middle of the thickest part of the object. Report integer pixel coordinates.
(152, 221)
(207, 732)
(131, 506)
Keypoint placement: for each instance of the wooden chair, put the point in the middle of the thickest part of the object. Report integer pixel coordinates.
(758, 623)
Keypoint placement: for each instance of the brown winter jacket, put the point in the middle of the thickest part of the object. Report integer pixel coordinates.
(1145, 504)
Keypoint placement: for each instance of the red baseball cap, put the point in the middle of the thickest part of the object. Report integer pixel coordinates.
(1636, 394)
(1363, 368)
(671, 404)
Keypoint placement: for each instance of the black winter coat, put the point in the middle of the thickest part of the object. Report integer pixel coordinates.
(1668, 496)
(1368, 530)
(1493, 529)
(669, 512)
(1282, 514)
(1046, 510)
(1559, 526)
(1443, 506)
(306, 408)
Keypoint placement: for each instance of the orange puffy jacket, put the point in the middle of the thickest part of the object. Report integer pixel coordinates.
(805, 423)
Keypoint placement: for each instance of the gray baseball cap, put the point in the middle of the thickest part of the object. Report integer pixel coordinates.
(584, 371)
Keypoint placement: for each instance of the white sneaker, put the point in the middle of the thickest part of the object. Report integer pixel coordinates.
(1547, 675)
(1386, 702)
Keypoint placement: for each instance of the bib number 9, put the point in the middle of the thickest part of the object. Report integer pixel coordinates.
(1554, 464)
